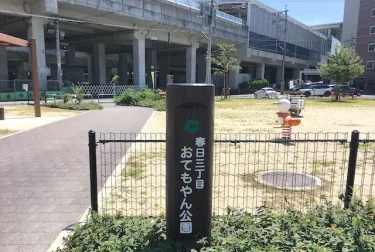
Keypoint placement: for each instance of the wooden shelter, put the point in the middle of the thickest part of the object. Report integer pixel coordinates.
(6, 40)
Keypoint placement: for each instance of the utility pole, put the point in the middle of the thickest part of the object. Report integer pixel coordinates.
(284, 31)
(58, 54)
(210, 17)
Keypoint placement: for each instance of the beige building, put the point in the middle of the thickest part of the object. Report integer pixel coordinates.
(359, 32)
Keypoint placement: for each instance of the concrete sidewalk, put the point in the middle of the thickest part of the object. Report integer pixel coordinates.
(44, 176)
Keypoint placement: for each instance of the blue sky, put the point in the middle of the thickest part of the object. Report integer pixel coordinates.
(311, 12)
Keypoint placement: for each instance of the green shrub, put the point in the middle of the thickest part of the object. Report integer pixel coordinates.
(146, 98)
(258, 84)
(78, 91)
(115, 80)
(127, 98)
(324, 228)
(74, 106)
(67, 98)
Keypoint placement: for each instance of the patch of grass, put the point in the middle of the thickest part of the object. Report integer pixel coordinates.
(367, 146)
(110, 201)
(74, 106)
(4, 132)
(323, 163)
(132, 172)
(134, 167)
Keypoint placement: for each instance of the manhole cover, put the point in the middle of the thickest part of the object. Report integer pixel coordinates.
(288, 180)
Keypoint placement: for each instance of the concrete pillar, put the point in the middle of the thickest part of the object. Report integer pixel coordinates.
(98, 64)
(296, 73)
(201, 68)
(89, 68)
(70, 56)
(36, 31)
(279, 76)
(3, 64)
(234, 78)
(163, 71)
(123, 68)
(260, 69)
(191, 63)
(139, 59)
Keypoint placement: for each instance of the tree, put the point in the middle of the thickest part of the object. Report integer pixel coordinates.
(343, 66)
(224, 62)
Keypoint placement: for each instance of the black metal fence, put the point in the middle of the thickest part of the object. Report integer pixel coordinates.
(250, 170)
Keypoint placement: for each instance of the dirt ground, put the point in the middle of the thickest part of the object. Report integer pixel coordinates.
(140, 188)
(21, 117)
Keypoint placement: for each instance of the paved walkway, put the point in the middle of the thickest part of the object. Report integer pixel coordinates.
(44, 176)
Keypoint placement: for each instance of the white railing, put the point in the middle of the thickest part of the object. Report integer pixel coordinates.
(229, 17)
(195, 5)
(106, 90)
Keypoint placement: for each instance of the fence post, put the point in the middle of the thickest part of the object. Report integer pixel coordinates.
(354, 143)
(93, 175)
(189, 167)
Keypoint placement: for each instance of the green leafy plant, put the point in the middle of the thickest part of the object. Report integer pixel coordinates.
(320, 229)
(67, 97)
(74, 106)
(343, 66)
(78, 91)
(146, 98)
(225, 61)
(115, 80)
(258, 84)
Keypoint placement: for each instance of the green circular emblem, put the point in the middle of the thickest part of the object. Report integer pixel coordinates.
(192, 126)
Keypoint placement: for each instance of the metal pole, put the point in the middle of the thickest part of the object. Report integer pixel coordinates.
(93, 174)
(354, 143)
(209, 46)
(169, 51)
(35, 81)
(284, 52)
(58, 53)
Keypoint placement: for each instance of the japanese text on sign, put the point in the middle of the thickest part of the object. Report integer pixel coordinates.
(186, 224)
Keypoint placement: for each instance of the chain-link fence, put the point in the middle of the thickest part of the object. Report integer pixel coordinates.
(250, 170)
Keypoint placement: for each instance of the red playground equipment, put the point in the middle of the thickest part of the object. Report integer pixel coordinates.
(286, 120)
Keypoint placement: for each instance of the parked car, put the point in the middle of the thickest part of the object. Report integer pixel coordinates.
(351, 89)
(316, 90)
(266, 93)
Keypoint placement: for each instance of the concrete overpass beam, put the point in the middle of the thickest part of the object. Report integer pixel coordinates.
(44, 7)
(191, 63)
(260, 69)
(139, 55)
(98, 63)
(3, 64)
(123, 68)
(36, 31)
